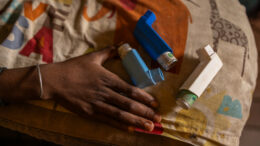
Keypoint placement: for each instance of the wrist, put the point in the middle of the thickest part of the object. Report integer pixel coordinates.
(51, 74)
(19, 84)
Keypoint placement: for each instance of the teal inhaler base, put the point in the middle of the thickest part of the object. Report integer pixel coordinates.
(185, 98)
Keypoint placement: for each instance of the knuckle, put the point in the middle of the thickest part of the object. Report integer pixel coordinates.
(118, 114)
(102, 94)
(88, 111)
(126, 105)
(138, 122)
(96, 86)
(93, 101)
(132, 106)
(133, 91)
(149, 113)
(106, 80)
(114, 76)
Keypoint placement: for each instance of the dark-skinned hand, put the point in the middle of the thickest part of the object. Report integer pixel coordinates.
(84, 86)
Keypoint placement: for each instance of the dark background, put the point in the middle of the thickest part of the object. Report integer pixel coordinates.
(251, 132)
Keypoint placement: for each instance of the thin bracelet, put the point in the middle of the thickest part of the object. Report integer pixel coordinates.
(40, 79)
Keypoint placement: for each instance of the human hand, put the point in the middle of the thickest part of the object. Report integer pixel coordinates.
(84, 86)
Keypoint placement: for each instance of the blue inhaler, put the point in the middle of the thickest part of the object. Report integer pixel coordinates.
(154, 45)
(139, 73)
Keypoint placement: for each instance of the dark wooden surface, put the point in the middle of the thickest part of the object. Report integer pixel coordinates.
(13, 138)
(251, 132)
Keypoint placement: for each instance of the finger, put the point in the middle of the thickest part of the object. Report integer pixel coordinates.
(104, 54)
(111, 122)
(131, 106)
(122, 115)
(135, 93)
(85, 110)
(77, 106)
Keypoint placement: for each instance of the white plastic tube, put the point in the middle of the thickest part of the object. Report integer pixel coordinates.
(198, 81)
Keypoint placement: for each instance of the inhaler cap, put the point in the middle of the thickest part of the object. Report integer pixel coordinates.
(185, 99)
(167, 60)
(124, 49)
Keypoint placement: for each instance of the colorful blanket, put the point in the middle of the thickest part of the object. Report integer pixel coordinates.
(48, 31)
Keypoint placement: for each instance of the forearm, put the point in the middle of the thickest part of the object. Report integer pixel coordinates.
(19, 84)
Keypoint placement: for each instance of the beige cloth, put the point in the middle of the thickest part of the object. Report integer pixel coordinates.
(49, 31)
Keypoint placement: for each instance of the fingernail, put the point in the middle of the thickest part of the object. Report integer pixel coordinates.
(148, 126)
(157, 118)
(131, 129)
(154, 104)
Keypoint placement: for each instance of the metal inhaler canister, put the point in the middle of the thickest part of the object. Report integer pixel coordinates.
(198, 81)
(154, 45)
(139, 73)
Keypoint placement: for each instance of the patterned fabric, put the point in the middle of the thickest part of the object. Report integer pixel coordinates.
(226, 31)
(47, 31)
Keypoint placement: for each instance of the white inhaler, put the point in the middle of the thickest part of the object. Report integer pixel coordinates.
(198, 81)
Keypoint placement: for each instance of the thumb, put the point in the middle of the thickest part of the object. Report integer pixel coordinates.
(104, 54)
